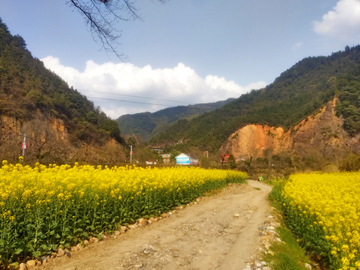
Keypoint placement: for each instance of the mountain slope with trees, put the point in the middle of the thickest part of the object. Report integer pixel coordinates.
(297, 93)
(30, 92)
(147, 125)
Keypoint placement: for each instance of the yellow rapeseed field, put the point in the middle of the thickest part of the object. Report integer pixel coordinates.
(44, 208)
(323, 209)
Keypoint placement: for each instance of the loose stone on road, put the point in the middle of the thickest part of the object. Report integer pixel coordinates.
(219, 232)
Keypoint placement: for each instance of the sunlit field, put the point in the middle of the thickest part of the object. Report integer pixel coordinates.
(44, 208)
(323, 210)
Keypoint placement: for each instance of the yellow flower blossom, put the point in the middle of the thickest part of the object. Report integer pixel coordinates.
(328, 204)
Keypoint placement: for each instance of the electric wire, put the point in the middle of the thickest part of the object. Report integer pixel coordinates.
(129, 101)
(169, 100)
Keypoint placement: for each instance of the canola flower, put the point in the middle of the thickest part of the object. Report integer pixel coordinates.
(324, 211)
(43, 208)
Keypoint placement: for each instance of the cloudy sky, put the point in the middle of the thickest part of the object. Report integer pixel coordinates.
(184, 51)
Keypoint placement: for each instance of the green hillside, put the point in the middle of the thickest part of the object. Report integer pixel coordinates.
(26, 87)
(36, 97)
(147, 125)
(295, 94)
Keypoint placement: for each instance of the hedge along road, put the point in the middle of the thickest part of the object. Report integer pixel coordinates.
(220, 232)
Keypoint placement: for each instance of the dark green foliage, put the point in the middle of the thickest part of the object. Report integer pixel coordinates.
(350, 163)
(147, 125)
(297, 93)
(349, 104)
(27, 88)
(140, 124)
(232, 162)
(205, 163)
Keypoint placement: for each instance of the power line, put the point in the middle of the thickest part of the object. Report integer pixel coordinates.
(129, 101)
(169, 100)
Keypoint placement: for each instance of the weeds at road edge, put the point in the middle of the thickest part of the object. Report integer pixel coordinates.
(288, 255)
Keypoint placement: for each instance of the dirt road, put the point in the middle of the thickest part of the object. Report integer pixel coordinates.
(220, 232)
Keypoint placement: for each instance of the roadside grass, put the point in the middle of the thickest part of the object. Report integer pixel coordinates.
(213, 192)
(287, 255)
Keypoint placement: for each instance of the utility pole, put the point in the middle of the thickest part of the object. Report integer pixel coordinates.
(23, 146)
(131, 153)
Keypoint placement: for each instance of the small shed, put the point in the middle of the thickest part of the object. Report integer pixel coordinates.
(182, 159)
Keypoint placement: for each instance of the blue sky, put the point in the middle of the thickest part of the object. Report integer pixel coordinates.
(183, 51)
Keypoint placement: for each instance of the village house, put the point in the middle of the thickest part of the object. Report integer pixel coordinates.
(183, 159)
(151, 161)
(224, 158)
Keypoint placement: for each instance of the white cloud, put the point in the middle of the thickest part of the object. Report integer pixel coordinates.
(297, 46)
(114, 82)
(341, 22)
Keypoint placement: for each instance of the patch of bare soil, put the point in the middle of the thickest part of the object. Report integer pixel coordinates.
(220, 232)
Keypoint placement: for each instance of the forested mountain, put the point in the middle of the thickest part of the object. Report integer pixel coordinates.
(298, 92)
(147, 125)
(29, 92)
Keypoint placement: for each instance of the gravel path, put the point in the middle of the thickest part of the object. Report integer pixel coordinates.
(220, 232)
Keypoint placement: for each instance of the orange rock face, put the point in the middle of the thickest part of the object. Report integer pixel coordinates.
(9, 125)
(60, 130)
(252, 140)
(322, 132)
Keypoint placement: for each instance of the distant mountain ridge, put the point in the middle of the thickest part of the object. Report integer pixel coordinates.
(147, 125)
(299, 92)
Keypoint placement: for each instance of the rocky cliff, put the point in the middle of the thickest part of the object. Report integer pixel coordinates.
(48, 142)
(322, 132)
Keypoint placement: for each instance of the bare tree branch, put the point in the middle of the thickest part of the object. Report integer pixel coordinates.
(102, 16)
